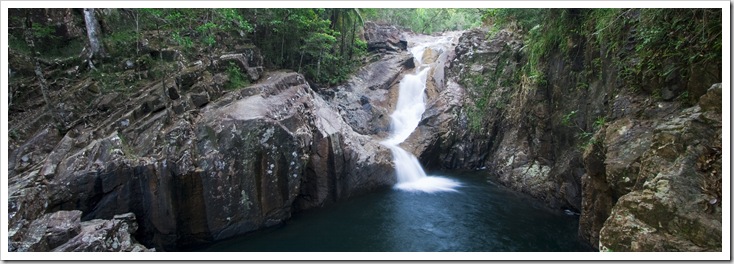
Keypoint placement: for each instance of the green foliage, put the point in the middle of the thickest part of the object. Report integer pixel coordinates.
(476, 112)
(585, 140)
(44, 31)
(566, 120)
(547, 31)
(322, 44)
(585, 137)
(121, 42)
(236, 78)
(484, 86)
(48, 43)
(673, 44)
(599, 122)
(651, 48)
(189, 28)
(428, 20)
(183, 41)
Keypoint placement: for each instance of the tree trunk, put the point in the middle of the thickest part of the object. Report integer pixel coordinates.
(137, 33)
(342, 31)
(93, 32)
(300, 62)
(11, 90)
(282, 49)
(354, 32)
(29, 38)
(318, 65)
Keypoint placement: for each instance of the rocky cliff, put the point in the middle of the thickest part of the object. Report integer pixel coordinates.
(185, 160)
(643, 172)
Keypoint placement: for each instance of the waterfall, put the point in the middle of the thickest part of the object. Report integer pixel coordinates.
(404, 120)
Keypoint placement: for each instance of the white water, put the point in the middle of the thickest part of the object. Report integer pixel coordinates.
(408, 112)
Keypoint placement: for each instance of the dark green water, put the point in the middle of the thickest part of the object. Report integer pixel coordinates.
(481, 216)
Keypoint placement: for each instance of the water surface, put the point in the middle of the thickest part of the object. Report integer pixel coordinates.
(480, 216)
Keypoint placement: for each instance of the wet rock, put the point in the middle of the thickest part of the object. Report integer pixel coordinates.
(367, 99)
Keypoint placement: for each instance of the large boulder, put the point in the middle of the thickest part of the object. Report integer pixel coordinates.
(383, 37)
(243, 161)
(98, 235)
(63, 231)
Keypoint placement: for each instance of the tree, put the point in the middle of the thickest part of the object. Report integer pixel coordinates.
(30, 41)
(97, 49)
(428, 20)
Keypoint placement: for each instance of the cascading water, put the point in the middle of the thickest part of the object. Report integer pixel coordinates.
(408, 111)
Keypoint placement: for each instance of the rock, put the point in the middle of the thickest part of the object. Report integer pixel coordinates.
(241, 162)
(105, 102)
(670, 209)
(171, 55)
(383, 37)
(711, 101)
(173, 93)
(626, 141)
(199, 100)
(20, 63)
(63, 231)
(179, 107)
(99, 235)
(366, 100)
(597, 197)
(150, 104)
(62, 226)
(248, 61)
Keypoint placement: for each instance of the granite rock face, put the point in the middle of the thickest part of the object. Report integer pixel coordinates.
(640, 173)
(674, 202)
(190, 172)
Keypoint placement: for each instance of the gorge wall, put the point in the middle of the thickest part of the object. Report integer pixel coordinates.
(642, 170)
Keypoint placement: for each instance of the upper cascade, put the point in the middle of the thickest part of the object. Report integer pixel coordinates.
(405, 119)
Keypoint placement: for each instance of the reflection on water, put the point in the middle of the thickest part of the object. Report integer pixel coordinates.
(479, 217)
